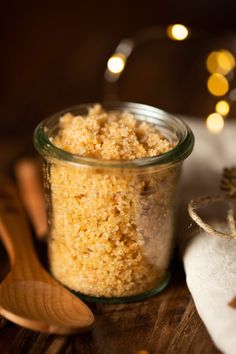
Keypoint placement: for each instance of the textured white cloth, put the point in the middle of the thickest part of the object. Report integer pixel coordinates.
(210, 262)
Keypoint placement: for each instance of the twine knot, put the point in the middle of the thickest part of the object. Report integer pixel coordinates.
(227, 195)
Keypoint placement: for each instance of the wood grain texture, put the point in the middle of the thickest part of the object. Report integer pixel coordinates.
(166, 323)
(28, 295)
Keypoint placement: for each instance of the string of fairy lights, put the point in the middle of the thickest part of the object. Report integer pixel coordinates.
(220, 65)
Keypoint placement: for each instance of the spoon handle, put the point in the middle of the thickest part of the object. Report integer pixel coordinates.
(14, 228)
(30, 186)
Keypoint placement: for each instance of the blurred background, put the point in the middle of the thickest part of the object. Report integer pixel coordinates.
(55, 54)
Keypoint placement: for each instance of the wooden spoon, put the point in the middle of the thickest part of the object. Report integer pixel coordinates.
(29, 296)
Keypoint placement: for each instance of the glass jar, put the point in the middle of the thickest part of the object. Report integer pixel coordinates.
(112, 223)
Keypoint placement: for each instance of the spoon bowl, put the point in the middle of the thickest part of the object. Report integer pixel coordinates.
(64, 315)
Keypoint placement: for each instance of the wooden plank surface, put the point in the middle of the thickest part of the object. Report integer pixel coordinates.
(167, 323)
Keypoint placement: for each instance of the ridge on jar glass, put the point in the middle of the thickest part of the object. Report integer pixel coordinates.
(112, 222)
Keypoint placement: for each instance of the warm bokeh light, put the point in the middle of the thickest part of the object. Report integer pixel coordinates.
(116, 63)
(212, 62)
(215, 123)
(177, 32)
(218, 85)
(222, 107)
(221, 62)
(226, 61)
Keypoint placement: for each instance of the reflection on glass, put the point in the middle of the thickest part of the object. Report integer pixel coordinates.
(217, 84)
(215, 123)
(177, 32)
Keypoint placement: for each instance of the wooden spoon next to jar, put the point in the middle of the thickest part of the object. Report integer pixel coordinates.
(29, 296)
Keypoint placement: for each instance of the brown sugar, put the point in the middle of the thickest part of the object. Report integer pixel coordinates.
(109, 136)
(112, 231)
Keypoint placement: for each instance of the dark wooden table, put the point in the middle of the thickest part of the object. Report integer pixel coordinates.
(166, 323)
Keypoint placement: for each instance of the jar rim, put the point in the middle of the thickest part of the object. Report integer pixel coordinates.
(179, 152)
